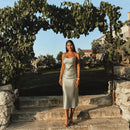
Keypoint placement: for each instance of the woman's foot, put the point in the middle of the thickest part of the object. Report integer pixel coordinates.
(66, 124)
(71, 122)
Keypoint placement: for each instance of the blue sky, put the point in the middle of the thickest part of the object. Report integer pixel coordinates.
(47, 42)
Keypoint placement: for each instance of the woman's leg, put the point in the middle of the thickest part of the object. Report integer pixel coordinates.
(66, 117)
(71, 115)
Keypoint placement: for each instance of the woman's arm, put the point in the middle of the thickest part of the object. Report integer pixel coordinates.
(78, 70)
(62, 70)
(78, 66)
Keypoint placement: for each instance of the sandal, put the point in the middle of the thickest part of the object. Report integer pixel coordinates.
(71, 122)
(66, 124)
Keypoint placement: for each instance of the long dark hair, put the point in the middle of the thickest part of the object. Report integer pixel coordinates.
(72, 44)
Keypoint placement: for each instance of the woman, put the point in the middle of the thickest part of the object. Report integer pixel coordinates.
(69, 80)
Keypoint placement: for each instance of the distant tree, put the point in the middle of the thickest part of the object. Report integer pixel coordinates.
(41, 57)
(49, 61)
(126, 47)
(41, 60)
(126, 51)
(81, 52)
(59, 57)
(85, 61)
(96, 47)
(105, 46)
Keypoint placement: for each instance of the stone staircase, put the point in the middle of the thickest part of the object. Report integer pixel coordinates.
(94, 112)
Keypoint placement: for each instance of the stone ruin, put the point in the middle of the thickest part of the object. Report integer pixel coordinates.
(122, 90)
(7, 99)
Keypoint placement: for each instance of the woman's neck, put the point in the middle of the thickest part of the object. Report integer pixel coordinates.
(70, 52)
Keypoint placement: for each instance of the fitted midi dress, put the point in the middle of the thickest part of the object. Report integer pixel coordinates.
(70, 92)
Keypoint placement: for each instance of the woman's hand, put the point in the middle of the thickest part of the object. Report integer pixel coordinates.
(76, 83)
(60, 82)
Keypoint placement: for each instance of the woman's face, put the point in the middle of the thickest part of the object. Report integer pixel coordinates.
(69, 46)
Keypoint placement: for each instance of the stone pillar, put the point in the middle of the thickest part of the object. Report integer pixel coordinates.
(122, 90)
(7, 98)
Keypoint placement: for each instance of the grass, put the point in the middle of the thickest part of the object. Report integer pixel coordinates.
(93, 81)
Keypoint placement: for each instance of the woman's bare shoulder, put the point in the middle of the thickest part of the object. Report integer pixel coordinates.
(63, 55)
(77, 54)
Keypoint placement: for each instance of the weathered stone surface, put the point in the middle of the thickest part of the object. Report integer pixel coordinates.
(93, 124)
(122, 94)
(6, 87)
(122, 99)
(102, 101)
(122, 86)
(125, 112)
(4, 120)
(45, 125)
(52, 113)
(41, 101)
(6, 105)
(105, 112)
(5, 113)
(122, 72)
(5, 98)
(3, 109)
(52, 101)
(49, 113)
(52, 117)
(3, 127)
(108, 124)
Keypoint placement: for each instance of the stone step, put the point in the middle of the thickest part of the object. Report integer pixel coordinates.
(49, 101)
(48, 113)
(91, 124)
(101, 112)
(52, 113)
(108, 124)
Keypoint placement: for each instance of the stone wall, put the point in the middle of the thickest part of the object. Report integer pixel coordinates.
(123, 97)
(122, 90)
(7, 98)
(122, 72)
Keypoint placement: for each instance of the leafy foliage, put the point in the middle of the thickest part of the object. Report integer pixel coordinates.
(126, 47)
(59, 56)
(20, 24)
(49, 61)
(81, 53)
(114, 25)
(96, 47)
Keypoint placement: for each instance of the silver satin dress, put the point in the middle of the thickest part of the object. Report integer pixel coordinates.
(70, 92)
